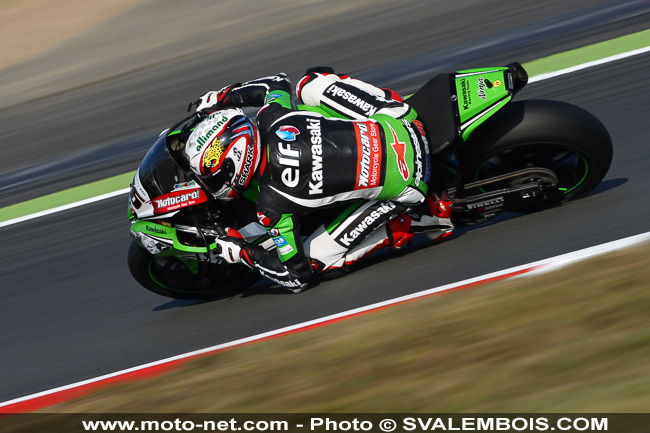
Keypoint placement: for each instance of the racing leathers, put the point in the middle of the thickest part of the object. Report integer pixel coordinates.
(351, 145)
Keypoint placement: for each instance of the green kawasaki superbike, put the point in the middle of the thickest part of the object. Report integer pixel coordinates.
(491, 155)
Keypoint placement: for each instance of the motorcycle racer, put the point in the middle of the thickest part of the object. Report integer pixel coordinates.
(353, 144)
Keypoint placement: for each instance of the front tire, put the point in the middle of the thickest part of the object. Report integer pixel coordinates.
(540, 133)
(170, 276)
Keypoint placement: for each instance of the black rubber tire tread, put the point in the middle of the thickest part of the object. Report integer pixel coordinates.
(139, 260)
(532, 122)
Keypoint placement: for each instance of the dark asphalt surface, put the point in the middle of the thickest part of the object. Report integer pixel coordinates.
(71, 310)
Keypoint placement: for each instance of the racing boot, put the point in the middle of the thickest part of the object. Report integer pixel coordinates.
(435, 217)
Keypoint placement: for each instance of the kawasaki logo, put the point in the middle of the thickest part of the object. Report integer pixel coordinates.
(367, 107)
(467, 100)
(366, 223)
(155, 229)
(316, 186)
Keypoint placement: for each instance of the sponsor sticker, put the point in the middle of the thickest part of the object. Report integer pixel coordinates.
(366, 223)
(354, 102)
(289, 159)
(177, 200)
(263, 219)
(211, 130)
(212, 156)
(369, 154)
(465, 94)
(280, 241)
(287, 132)
(316, 183)
(283, 246)
(285, 250)
(481, 88)
(399, 148)
(272, 97)
(185, 185)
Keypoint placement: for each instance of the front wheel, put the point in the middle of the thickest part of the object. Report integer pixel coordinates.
(554, 135)
(180, 278)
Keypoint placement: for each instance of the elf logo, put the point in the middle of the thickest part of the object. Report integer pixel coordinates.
(287, 132)
(400, 151)
(290, 159)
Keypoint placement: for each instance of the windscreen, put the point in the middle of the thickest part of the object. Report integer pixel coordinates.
(158, 171)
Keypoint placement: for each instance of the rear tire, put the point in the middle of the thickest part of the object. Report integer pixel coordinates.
(540, 133)
(170, 276)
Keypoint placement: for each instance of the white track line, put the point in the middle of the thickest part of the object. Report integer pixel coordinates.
(523, 270)
(64, 207)
(591, 64)
(536, 78)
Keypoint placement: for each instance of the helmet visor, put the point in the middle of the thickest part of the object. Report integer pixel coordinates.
(221, 178)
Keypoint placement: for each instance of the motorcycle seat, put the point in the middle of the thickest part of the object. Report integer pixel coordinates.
(435, 108)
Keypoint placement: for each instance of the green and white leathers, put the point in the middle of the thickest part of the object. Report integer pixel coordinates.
(350, 143)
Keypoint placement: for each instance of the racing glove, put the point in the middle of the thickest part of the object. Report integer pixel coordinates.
(214, 99)
(229, 247)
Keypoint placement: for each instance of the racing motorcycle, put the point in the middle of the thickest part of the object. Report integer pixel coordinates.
(491, 155)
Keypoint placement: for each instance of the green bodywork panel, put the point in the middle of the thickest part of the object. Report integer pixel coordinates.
(481, 92)
(160, 231)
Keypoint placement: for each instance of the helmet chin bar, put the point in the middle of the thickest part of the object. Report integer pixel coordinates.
(239, 189)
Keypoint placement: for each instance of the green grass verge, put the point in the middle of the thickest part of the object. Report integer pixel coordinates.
(589, 53)
(575, 340)
(68, 196)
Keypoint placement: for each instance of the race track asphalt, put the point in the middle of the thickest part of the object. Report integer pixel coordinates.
(71, 310)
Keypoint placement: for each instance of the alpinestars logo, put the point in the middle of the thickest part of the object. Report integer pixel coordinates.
(400, 151)
(263, 219)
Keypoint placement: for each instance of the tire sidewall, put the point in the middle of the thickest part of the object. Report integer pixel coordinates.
(542, 122)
